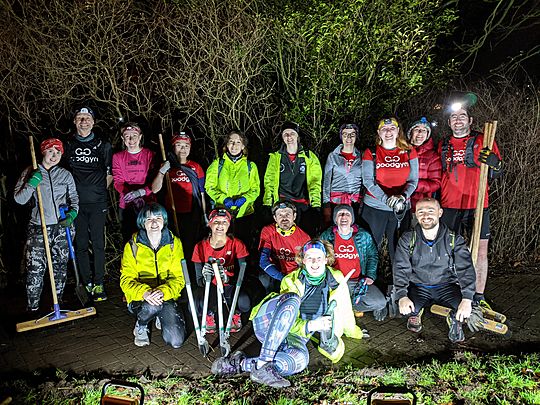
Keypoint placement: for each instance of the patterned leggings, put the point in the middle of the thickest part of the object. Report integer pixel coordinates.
(36, 261)
(272, 324)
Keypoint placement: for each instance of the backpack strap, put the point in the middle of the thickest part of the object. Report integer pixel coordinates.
(222, 161)
(469, 150)
(374, 156)
(134, 247)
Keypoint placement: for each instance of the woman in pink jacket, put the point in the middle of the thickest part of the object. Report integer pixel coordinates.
(131, 175)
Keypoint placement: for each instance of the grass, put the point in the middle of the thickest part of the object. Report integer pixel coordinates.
(466, 379)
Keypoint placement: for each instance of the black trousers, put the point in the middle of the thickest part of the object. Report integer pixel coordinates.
(90, 226)
(447, 295)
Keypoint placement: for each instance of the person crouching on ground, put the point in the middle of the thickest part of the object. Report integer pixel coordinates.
(433, 266)
(152, 278)
(355, 249)
(57, 189)
(230, 254)
(285, 323)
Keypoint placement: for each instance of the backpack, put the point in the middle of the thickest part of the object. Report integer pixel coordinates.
(469, 152)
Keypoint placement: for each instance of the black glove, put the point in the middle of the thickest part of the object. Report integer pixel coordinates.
(476, 318)
(489, 158)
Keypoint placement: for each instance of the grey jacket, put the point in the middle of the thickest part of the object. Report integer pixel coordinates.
(340, 178)
(57, 187)
(431, 266)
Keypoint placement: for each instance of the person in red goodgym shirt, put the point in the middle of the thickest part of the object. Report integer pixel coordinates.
(461, 155)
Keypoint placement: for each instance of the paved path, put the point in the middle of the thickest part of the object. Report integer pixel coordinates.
(105, 343)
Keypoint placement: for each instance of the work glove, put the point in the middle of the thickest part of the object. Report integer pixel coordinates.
(222, 273)
(133, 195)
(476, 318)
(36, 178)
(207, 271)
(321, 324)
(228, 202)
(489, 158)
(68, 220)
(240, 201)
(165, 167)
(396, 202)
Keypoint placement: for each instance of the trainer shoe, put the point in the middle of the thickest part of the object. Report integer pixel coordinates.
(89, 288)
(228, 366)
(455, 332)
(158, 323)
(141, 335)
(236, 323)
(414, 323)
(358, 314)
(210, 323)
(380, 314)
(98, 292)
(268, 375)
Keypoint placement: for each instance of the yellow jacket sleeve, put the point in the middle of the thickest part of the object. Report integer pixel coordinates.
(271, 179)
(314, 179)
(212, 183)
(132, 288)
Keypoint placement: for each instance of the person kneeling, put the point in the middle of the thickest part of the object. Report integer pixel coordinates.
(152, 279)
(433, 266)
(284, 323)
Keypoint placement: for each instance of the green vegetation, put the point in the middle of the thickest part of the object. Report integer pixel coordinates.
(468, 378)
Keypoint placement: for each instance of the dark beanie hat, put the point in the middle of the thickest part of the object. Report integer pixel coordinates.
(343, 207)
(290, 125)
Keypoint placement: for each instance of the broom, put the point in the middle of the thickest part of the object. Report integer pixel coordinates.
(57, 316)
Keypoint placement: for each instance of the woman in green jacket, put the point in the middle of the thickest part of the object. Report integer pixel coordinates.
(284, 323)
(232, 182)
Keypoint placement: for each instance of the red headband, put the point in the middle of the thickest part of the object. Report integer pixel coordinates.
(180, 137)
(51, 143)
(219, 213)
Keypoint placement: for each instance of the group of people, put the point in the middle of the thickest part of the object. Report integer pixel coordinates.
(418, 195)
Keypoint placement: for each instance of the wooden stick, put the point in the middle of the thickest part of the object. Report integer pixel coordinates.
(44, 226)
(489, 137)
(169, 187)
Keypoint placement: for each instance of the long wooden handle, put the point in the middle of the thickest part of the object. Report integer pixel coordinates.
(169, 187)
(490, 128)
(44, 226)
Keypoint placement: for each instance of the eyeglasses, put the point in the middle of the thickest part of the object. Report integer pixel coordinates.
(349, 136)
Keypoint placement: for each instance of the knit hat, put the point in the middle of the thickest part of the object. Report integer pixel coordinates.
(182, 136)
(343, 207)
(422, 121)
(51, 143)
(290, 125)
(387, 121)
(220, 212)
(348, 126)
(85, 110)
(278, 205)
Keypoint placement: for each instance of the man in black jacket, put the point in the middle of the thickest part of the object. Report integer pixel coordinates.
(433, 266)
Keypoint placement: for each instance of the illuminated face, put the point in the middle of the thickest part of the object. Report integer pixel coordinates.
(219, 226)
(84, 123)
(344, 219)
(348, 136)
(388, 133)
(290, 137)
(51, 157)
(235, 145)
(419, 135)
(154, 224)
(285, 218)
(132, 139)
(315, 262)
(182, 149)
(428, 214)
(460, 123)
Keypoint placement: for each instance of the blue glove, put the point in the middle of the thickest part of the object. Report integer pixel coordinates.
(228, 202)
(240, 201)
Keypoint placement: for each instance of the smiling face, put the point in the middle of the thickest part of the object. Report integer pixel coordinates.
(51, 157)
(315, 261)
(290, 137)
(419, 135)
(84, 123)
(284, 218)
(153, 224)
(348, 136)
(460, 123)
(344, 219)
(182, 149)
(132, 139)
(428, 213)
(235, 146)
(388, 134)
(219, 226)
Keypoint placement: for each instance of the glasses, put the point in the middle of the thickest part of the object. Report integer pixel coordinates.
(349, 136)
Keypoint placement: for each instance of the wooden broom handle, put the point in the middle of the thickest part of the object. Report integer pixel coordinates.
(44, 226)
(169, 187)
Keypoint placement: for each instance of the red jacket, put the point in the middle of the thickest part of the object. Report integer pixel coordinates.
(429, 172)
